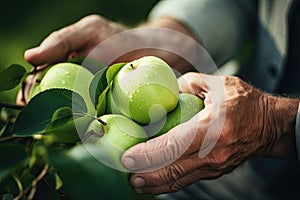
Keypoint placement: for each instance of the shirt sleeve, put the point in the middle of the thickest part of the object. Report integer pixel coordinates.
(220, 25)
(297, 132)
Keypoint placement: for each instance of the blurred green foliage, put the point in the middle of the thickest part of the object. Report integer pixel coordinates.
(24, 24)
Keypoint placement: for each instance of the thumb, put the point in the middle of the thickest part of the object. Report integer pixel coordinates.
(161, 151)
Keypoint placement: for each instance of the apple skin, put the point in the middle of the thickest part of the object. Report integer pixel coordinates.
(118, 134)
(188, 106)
(72, 77)
(145, 89)
(65, 75)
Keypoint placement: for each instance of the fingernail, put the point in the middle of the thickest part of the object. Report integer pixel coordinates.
(128, 162)
(139, 182)
(138, 190)
(29, 51)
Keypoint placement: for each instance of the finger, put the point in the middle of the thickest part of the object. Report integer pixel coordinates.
(194, 83)
(55, 48)
(208, 87)
(167, 148)
(168, 174)
(215, 163)
(22, 96)
(60, 44)
(178, 184)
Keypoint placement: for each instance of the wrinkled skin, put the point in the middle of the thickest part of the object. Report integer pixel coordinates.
(232, 128)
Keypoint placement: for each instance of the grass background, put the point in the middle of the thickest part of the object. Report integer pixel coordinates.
(24, 24)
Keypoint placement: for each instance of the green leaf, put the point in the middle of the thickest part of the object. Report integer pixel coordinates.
(98, 85)
(7, 197)
(101, 106)
(3, 126)
(11, 76)
(101, 84)
(85, 177)
(60, 117)
(11, 155)
(112, 71)
(38, 113)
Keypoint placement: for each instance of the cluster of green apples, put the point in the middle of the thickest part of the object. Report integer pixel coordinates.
(141, 100)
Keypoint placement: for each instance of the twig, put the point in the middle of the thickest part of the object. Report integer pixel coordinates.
(32, 188)
(6, 138)
(13, 106)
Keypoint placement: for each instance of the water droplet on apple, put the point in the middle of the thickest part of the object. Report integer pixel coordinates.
(67, 72)
(63, 81)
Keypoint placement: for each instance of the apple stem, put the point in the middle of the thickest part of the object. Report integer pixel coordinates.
(23, 99)
(36, 69)
(101, 121)
(132, 66)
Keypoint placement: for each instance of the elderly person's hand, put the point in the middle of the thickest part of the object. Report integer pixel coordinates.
(74, 40)
(237, 123)
(109, 42)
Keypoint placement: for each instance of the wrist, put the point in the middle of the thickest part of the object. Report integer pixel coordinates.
(279, 126)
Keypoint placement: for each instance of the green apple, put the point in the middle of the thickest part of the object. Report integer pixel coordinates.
(188, 106)
(145, 89)
(65, 75)
(115, 133)
(72, 77)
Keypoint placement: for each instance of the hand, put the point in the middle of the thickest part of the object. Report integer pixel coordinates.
(238, 122)
(99, 39)
(75, 40)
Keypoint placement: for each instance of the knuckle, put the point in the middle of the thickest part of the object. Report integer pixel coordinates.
(228, 133)
(222, 160)
(93, 18)
(174, 173)
(58, 36)
(175, 186)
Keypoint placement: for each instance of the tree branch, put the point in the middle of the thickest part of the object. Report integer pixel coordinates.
(12, 106)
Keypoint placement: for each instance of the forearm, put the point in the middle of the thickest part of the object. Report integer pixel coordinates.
(281, 122)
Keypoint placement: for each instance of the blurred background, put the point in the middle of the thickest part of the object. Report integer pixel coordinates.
(24, 24)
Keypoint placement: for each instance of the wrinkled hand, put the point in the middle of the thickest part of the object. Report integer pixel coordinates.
(77, 39)
(107, 42)
(231, 128)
